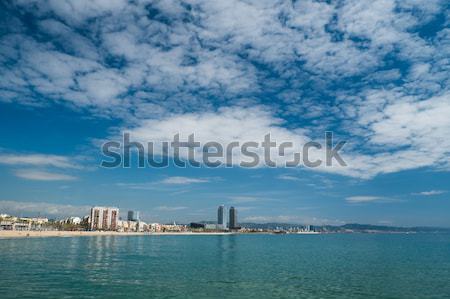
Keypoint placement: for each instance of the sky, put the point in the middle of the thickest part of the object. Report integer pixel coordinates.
(76, 74)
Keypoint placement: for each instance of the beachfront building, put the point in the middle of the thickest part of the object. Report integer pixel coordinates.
(173, 228)
(232, 224)
(72, 220)
(132, 226)
(22, 223)
(221, 218)
(142, 226)
(6, 224)
(36, 220)
(126, 226)
(104, 218)
(154, 227)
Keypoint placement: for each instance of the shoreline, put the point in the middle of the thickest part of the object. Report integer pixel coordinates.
(8, 234)
(5, 234)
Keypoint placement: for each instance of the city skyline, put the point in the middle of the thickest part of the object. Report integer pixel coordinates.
(99, 212)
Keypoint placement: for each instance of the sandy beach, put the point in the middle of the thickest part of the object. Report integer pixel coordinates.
(6, 234)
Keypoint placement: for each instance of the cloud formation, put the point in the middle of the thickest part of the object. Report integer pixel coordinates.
(430, 193)
(252, 124)
(21, 208)
(375, 73)
(287, 177)
(364, 199)
(40, 175)
(37, 160)
(178, 180)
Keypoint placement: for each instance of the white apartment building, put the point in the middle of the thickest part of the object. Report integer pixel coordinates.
(104, 218)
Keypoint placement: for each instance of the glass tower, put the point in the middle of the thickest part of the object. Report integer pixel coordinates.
(221, 217)
(133, 216)
(233, 218)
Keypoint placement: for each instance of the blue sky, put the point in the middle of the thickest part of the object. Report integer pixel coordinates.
(77, 73)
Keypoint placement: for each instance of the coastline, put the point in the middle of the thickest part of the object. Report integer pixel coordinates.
(9, 234)
(5, 234)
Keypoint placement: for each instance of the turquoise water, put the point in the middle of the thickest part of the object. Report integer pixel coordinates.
(233, 266)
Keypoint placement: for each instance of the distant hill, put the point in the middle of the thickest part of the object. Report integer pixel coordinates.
(382, 228)
(351, 227)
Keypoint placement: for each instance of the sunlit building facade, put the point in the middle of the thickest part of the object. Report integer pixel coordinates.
(104, 218)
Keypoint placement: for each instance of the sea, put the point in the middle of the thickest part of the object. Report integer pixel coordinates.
(227, 266)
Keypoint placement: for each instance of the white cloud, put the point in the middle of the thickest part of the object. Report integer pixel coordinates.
(288, 177)
(38, 160)
(20, 208)
(224, 126)
(430, 193)
(252, 124)
(403, 131)
(364, 199)
(178, 180)
(167, 183)
(38, 175)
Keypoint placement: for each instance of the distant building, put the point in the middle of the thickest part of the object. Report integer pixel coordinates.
(232, 224)
(196, 225)
(131, 226)
(212, 226)
(73, 220)
(22, 223)
(142, 226)
(133, 216)
(36, 220)
(154, 227)
(221, 218)
(7, 225)
(173, 227)
(104, 218)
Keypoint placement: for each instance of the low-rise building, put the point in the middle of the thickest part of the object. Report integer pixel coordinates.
(154, 227)
(6, 225)
(173, 228)
(74, 220)
(209, 226)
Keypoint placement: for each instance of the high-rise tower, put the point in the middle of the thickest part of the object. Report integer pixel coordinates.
(221, 218)
(133, 216)
(233, 218)
(104, 218)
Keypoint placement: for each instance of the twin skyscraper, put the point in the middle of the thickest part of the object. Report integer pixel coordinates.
(221, 218)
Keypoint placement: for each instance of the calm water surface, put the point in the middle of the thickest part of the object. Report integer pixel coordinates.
(233, 266)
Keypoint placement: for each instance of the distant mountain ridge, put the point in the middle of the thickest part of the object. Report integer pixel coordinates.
(351, 227)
